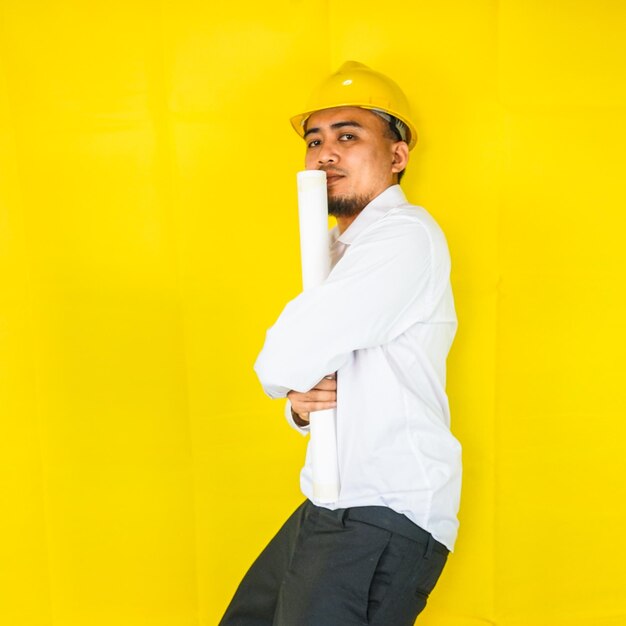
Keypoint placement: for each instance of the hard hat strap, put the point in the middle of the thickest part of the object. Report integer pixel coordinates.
(396, 125)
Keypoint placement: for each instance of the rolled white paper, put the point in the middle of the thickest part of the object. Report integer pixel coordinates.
(313, 213)
(323, 440)
(315, 253)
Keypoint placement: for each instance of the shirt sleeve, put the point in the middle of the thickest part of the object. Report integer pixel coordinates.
(382, 285)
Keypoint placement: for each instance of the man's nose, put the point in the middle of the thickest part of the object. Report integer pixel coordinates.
(327, 155)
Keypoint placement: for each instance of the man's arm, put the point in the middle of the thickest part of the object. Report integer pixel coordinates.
(382, 286)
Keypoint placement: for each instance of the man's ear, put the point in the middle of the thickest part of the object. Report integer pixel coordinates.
(400, 156)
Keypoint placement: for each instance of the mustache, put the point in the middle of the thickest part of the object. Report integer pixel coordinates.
(331, 169)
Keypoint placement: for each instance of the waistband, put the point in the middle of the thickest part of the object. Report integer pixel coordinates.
(390, 520)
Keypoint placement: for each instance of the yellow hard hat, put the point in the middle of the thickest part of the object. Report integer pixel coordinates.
(356, 85)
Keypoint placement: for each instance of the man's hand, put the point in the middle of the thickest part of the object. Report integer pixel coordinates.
(322, 396)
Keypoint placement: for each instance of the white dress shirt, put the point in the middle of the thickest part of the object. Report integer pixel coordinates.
(384, 320)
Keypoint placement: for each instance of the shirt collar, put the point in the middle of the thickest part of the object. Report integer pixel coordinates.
(391, 198)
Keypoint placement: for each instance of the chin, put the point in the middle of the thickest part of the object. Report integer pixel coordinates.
(342, 205)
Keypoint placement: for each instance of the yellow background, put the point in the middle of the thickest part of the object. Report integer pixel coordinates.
(148, 238)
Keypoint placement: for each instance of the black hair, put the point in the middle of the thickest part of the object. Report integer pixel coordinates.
(392, 132)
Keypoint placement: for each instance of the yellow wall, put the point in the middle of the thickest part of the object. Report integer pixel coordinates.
(148, 238)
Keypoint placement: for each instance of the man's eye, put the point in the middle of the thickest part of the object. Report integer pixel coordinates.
(313, 144)
(347, 137)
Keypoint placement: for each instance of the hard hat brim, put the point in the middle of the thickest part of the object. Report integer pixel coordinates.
(298, 121)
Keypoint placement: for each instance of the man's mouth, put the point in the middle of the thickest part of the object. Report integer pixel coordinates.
(332, 178)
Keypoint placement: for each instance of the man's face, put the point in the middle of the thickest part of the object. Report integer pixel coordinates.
(351, 145)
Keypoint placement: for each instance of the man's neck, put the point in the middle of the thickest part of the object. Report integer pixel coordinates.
(344, 222)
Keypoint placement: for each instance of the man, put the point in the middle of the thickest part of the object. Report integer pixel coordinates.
(372, 341)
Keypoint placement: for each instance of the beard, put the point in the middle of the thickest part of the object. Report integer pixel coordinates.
(347, 206)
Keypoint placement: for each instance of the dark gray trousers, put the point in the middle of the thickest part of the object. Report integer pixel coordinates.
(349, 567)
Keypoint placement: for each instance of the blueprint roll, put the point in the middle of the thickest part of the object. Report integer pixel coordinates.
(315, 254)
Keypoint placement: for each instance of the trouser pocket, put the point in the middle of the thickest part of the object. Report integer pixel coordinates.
(405, 576)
